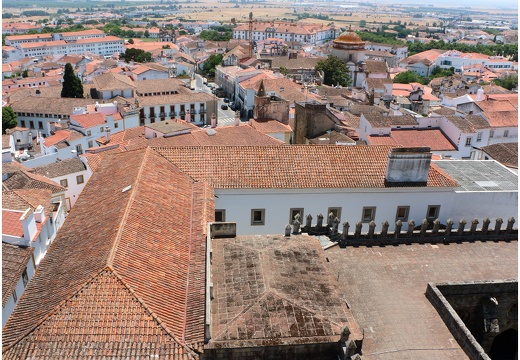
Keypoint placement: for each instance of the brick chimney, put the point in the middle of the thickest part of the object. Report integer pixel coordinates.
(408, 165)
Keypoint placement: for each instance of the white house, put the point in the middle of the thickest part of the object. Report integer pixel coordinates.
(265, 187)
(72, 174)
(18, 268)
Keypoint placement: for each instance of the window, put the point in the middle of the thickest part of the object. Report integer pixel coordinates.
(220, 215)
(491, 133)
(468, 141)
(506, 133)
(89, 132)
(369, 214)
(40, 125)
(79, 179)
(101, 129)
(25, 278)
(336, 212)
(293, 212)
(64, 183)
(31, 124)
(479, 136)
(402, 213)
(22, 123)
(90, 144)
(257, 216)
(433, 212)
(15, 297)
(116, 125)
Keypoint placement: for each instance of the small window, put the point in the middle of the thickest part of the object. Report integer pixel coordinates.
(25, 278)
(479, 136)
(336, 212)
(369, 214)
(90, 144)
(31, 124)
(433, 212)
(40, 125)
(89, 133)
(64, 183)
(101, 129)
(22, 123)
(506, 133)
(116, 125)
(257, 216)
(293, 212)
(15, 297)
(220, 215)
(402, 213)
(491, 134)
(79, 179)
(468, 141)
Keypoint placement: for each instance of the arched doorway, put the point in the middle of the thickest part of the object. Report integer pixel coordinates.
(505, 346)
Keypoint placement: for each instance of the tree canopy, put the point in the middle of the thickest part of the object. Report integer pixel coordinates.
(335, 71)
(408, 77)
(136, 55)
(8, 118)
(211, 63)
(509, 82)
(72, 87)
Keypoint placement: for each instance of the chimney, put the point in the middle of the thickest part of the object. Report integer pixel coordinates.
(480, 94)
(107, 134)
(39, 214)
(188, 115)
(237, 118)
(408, 165)
(213, 120)
(28, 224)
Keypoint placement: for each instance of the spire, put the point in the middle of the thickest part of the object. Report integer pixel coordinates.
(261, 90)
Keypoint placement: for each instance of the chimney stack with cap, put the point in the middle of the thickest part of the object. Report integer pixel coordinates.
(408, 165)
(107, 134)
(213, 120)
(237, 118)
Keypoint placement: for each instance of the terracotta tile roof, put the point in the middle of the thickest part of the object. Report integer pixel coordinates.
(470, 124)
(432, 138)
(110, 81)
(129, 270)
(89, 120)
(22, 199)
(443, 110)
(430, 55)
(12, 167)
(504, 153)
(502, 118)
(376, 83)
(26, 180)
(60, 168)
(378, 120)
(40, 105)
(262, 167)
(11, 224)
(358, 109)
(282, 302)
(375, 66)
(270, 126)
(496, 105)
(14, 260)
(170, 126)
(62, 136)
(160, 85)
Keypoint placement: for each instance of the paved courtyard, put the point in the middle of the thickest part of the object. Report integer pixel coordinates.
(385, 288)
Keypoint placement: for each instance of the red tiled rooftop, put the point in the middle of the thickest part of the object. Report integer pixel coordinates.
(129, 237)
(270, 126)
(89, 120)
(11, 224)
(502, 118)
(289, 167)
(14, 260)
(432, 138)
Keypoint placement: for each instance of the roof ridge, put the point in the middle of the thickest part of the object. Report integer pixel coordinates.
(135, 184)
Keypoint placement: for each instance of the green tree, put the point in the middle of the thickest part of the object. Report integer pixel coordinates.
(362, 23)
(284, 71)
(72, 87)
(408, 77)
(335, 71)
(211, 63)
(146, 33)
(25, 73)
(137, 55)
(509, 82)
(8, 118)
(130, 41)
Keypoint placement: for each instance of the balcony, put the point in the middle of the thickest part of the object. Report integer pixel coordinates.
(162, 114)
(202, 111)
(182, 113)
(173, 114)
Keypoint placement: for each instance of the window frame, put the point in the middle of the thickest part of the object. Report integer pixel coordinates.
(372, 216)
(66, 183)
(292, 211)
(15, 296)
(479, 136)
(506, 133)
(406, 215)
(25, 277)
(262, 215)
(223, 212)
(468, 141)
(82, 179)
(332, 209)
(437, 212)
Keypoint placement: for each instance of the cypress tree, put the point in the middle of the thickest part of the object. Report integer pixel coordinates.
(72, 86)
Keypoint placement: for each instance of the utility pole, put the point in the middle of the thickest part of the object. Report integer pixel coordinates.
(251, 34)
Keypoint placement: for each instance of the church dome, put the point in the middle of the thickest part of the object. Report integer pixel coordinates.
(349, 38)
